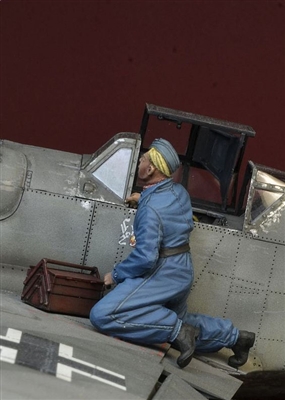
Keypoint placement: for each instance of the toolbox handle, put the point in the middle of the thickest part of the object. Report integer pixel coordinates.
(43, 263)
(46, 278)
(29, 277)
(93, 270)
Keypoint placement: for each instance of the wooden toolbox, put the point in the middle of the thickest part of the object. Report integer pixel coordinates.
(62, 291)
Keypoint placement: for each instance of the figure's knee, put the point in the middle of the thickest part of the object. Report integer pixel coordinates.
(98, 316)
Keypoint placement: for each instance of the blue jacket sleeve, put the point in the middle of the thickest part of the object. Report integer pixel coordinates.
(147, 230)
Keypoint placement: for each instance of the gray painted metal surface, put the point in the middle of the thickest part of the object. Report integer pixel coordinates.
(244, 284)
(13, 175)
(53, 215)
(213, 382)
(109, 239)
(63, 357)
(89, 347)
(33, 227)
(50, 170)
(175, 388)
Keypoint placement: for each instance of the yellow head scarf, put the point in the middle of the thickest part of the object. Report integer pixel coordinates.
(158, 161)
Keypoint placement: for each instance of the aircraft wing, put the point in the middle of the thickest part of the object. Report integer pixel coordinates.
(52, 356)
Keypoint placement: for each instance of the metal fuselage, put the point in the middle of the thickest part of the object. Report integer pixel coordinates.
(70, 207)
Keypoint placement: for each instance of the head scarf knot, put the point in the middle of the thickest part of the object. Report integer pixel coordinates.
(158, 161)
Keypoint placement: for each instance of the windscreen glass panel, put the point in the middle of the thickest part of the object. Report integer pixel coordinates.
(113, 173)
(264, 199)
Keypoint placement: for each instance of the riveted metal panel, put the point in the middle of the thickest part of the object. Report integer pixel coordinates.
(271, 340)
(213, 252)
(240, 278)
(205, 241)
(271, 332)
(274, 328)
(277, 280)
(254, 260)
(243, 305)
(46, 225)
(50, 170)
(206, 296)
(272, 353)
(109, 240)
(252, 284)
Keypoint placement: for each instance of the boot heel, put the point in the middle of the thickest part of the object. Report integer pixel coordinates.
(241, 349)
(185, 343)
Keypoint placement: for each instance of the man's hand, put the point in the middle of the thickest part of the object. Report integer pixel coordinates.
(108, 280)
(133, 200)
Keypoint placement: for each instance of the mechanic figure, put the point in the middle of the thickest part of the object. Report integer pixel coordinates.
(148, 305)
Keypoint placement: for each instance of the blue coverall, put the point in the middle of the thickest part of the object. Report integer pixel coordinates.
(149, 302)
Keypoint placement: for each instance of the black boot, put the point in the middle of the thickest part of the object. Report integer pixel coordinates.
(241, 349)
(185, 343)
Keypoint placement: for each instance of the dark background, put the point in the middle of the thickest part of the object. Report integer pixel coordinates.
(74, 73)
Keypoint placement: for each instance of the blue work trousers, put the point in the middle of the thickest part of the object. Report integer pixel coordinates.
(151, 309)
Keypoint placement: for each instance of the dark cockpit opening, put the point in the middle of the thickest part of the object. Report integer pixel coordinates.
(211, 153)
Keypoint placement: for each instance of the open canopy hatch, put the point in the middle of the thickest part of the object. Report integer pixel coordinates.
(210, 150)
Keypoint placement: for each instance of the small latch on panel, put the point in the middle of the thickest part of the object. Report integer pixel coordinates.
(89, 187)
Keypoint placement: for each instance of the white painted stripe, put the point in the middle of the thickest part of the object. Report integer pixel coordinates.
(8, 355)
(65, 372)
(110, 372)
(67, 351)
(12, 335)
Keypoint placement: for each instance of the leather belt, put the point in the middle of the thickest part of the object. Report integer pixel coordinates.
(172, 251)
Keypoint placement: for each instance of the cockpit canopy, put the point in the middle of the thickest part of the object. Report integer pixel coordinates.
(210, 150)
(265, 207)
(109, 172)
